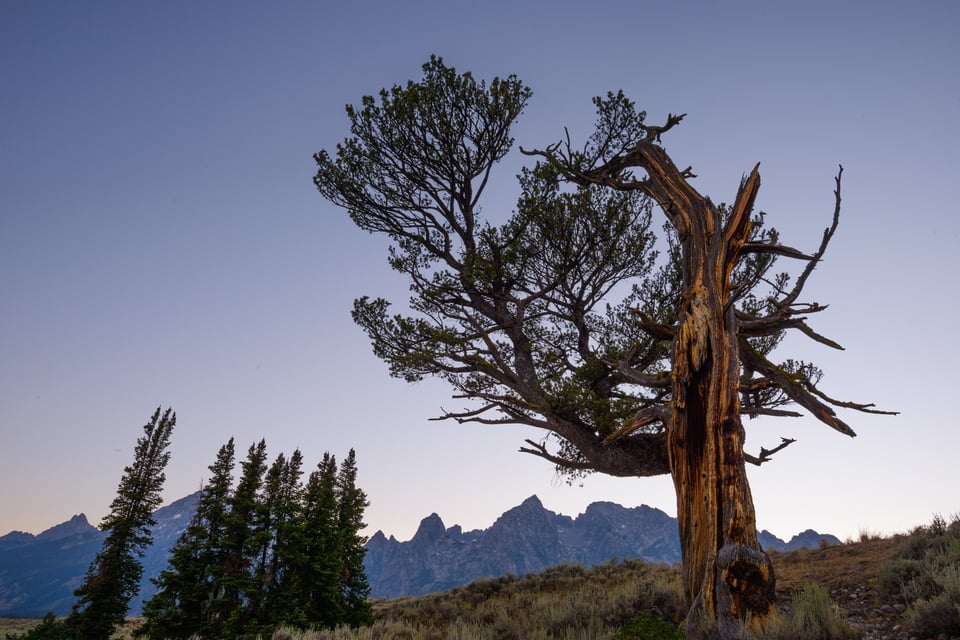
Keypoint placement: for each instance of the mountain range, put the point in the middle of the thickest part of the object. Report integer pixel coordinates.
(38, 573)
(528, 539)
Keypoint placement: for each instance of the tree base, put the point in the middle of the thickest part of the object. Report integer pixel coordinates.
(745, 588)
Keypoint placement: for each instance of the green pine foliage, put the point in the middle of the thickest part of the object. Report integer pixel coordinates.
(352, 501)
(274, 552)
(244, 526)
(321, 584)
(282, 545)
(113, 578)
(192, 580)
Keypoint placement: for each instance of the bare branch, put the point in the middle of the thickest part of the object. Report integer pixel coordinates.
(540, 451)
(793, 388)
(643, 418)
(780, 321)
(763, 411)
(865, 408)
(810, 333)
(827, 235)
(766, 453)
(654, 133)
(776, 249)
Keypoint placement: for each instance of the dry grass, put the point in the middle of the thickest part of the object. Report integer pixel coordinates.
(833, 568)
(16, 625)
(22, 625)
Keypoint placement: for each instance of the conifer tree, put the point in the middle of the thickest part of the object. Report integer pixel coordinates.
(272, 552)
(282, 603)
(322, 569)
(262, 536)
(238, 583)
(113, 578)
(193, 577)
(352, 501)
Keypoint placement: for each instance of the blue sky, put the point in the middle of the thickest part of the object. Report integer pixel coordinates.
(161, 242)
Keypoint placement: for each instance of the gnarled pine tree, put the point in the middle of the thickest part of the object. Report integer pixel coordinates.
(566, 318)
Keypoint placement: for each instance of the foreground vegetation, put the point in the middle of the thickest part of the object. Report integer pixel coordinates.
(915, 575)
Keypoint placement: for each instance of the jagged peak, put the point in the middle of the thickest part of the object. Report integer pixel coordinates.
(531, 504)
(430, 528)
(532, 501)
(78, 524)
(531, 508)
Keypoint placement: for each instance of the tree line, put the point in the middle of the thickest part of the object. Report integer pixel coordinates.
(272, 550)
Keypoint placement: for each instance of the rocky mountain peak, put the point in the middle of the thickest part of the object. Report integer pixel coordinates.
(431, 528)
(77, 525)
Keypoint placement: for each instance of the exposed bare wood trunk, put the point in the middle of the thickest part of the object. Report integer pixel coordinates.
(725, 571)
(726, 574)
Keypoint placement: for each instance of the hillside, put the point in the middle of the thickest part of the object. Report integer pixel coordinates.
(868, 581)
(874, 584)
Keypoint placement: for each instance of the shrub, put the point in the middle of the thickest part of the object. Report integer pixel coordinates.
(812, 615)
(649, 627)
(937, 615)
(925, 573)
(894, 575)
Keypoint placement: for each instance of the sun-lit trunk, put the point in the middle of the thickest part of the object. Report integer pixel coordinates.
(726, 574)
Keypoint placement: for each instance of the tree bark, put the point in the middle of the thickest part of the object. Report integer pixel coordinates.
(726, 574)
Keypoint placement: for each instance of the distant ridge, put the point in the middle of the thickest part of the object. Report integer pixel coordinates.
(38, 573)
(528, 539)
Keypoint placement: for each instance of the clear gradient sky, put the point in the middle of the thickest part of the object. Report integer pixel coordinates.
(161, 242)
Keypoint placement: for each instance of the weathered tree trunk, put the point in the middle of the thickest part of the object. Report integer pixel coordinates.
(725, 571)
(726, 574)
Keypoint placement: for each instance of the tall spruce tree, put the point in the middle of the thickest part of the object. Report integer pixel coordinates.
(272, 552)
(281, 581)
(351, 502)
(230, 616)
(262, 537)
(322, 566)
(113, 578)
(193, 577)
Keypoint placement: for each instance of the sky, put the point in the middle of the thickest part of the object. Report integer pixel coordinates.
(162, 243)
